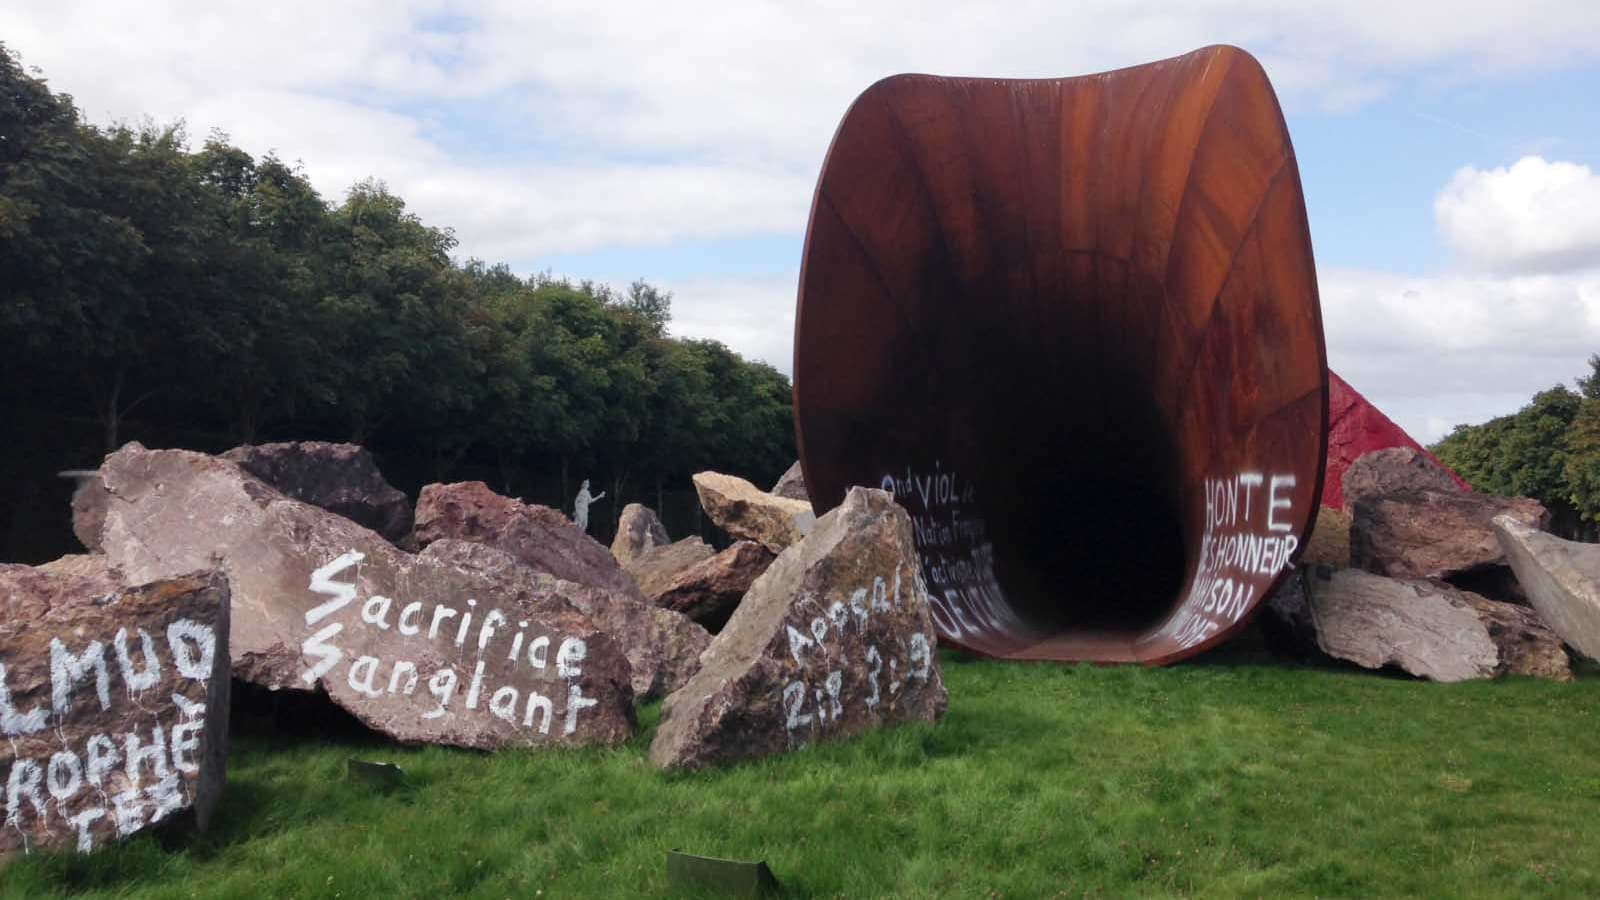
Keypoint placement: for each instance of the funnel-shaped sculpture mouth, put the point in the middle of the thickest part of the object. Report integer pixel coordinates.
(1073, 325)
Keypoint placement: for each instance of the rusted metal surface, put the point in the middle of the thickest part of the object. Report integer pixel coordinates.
(1073, 324)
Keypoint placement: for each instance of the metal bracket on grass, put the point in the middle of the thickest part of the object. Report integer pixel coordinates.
(728, 876)
(380, 775)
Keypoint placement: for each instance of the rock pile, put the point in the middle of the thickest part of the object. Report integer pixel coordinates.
(1408, 589)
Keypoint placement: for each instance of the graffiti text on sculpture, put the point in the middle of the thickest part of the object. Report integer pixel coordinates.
(1246, 542)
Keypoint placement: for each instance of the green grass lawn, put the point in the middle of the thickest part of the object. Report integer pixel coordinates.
(1220, 778)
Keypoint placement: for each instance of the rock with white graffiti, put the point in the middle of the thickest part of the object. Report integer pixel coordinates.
(835, 638)
(662, 646)
(460, 644)
(113, 703)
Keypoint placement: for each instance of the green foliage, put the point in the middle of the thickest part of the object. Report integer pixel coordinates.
(1217, 779)
(1548, 450)
(1523, 454)
(209, 289)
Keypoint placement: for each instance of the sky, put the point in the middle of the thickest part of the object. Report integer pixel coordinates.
(1450, 151)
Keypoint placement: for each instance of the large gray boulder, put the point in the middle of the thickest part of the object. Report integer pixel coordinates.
(835, 638)
(1429, 629)
(457, 645)
(792, 484)
(662, 646)
(340, 478)
(748, 513)
(1561, 579)
(113, 705)
(638, 531)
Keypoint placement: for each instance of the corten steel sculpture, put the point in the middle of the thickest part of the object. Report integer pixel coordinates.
(1073, 324)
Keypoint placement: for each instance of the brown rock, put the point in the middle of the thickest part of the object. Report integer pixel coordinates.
(1527, 645)
(1561, 578)
(1435, 534)
(457, 645)
(536, 536)
(792, 484)
(655, 569)
(836, 637)
(1330, 540)
(663, 646)
(340, 478)
(114, 706)
(1395, 470)
(546, 541)
(709, 591)
(88, 508)
(748, 513)
(1427, 628)
(638, 531)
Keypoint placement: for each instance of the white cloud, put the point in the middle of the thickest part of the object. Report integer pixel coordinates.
(1434, 352)
(1534, 216)
(686, 119)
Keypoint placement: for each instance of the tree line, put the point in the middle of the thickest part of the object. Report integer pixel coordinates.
(1548, 450)
(146, 283)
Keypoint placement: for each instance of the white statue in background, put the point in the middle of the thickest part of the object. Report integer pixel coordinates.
(580, 506)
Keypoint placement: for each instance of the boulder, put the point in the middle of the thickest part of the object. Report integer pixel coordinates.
(638, 531)
(1356, 428)
(1561, 579)
(654, 569)
(1435, 534)
(537, 536)
(340, 478)
(1396, 470)
(113, 703)
(709, 591)
(457, 645)
(836, 637)
(662, 646)
(748, 513)
(88, 508)
(1427, 628)
(792, 484)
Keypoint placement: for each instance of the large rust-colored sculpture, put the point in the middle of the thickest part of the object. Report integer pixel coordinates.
(1073, 325)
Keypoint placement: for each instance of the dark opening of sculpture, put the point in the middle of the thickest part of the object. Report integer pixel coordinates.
(1073, 325)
